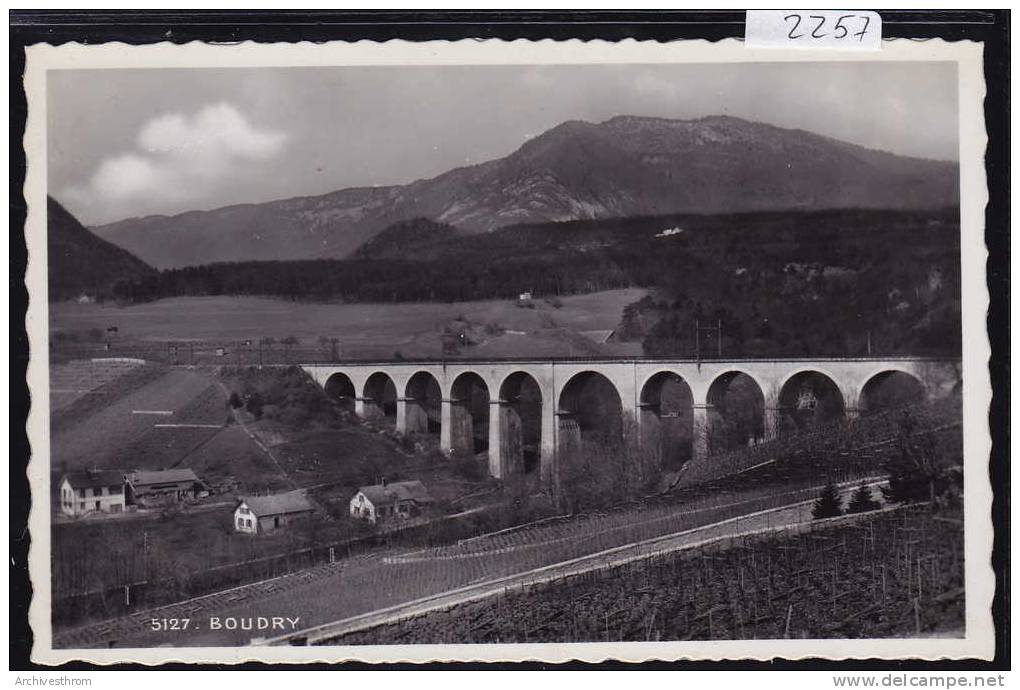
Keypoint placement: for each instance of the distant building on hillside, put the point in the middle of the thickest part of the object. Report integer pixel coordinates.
(399, 499)
(524, 298)
(92, 491)
(163, 486)
(260, 514)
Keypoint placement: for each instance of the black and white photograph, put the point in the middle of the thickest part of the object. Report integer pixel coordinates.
(498, 351)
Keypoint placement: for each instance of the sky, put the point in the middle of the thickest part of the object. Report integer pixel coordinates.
(132, 142)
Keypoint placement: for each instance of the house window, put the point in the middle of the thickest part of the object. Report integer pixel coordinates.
(81, 506)
(115, 508)
(81, 494)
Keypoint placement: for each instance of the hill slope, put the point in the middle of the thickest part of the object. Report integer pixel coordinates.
(81, 263)
(626, 166)
(417, 237)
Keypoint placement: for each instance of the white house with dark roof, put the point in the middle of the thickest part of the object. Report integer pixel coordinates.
(386, 500)
(92, 491)
(260, 514)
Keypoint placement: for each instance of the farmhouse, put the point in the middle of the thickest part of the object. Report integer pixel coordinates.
(399, 499)
(92, 491)
(260, 514)
(163, 486)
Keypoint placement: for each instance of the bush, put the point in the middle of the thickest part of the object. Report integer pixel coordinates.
(468, 467)
(255, 404)
(914, 472)
(828, 504)
(861, 501)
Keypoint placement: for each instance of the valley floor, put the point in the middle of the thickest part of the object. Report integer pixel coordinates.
(200, 326)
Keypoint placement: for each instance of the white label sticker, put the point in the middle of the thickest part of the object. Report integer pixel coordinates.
(813, 29)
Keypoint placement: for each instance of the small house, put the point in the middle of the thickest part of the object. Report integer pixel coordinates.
(163, 486)
(396, 499)
(92, 491)
(260, 514)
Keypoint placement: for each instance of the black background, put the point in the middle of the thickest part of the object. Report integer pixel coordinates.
(132, 27)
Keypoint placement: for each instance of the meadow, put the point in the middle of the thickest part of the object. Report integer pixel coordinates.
(413, 329)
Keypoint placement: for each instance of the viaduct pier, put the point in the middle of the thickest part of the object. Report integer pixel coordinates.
(523, 411)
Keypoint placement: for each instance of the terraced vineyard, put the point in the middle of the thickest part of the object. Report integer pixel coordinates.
(861, 447)
(887, 574)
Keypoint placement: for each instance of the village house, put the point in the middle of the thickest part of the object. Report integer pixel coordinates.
(146, 487)
(397, 499)
(92, 491)
(260, 514)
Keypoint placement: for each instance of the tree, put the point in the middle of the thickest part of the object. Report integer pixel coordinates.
(255, 404)
(861, 501)
(828, 504)
(913, 473)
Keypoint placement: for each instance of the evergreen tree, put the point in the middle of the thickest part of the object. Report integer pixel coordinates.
(828, 503)
(861, 501)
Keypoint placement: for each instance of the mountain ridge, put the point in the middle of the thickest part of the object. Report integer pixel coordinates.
(627, 165)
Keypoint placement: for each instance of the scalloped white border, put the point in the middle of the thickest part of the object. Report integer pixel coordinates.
(978, 530)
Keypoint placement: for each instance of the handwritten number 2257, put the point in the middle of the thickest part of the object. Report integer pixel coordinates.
(816, 32)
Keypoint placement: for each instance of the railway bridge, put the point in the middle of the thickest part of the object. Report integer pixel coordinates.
(524, 411)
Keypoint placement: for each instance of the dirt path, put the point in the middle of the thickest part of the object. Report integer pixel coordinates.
(255, 439)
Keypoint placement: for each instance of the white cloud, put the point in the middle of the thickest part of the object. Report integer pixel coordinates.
(216, 129)
(179, 158)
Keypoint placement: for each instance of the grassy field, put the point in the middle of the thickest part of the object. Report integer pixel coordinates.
(412, 329)
(122, 433)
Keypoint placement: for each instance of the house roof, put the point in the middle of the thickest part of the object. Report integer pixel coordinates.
(87, 479)
(279, 504)
(413, 490)
(143, 477)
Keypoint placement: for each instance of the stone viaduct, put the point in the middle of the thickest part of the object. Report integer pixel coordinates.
(529, 406)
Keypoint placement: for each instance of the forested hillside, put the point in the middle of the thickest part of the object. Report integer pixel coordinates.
(794, 283)
(80, 263)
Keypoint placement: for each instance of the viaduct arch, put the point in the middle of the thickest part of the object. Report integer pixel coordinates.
(523, 412)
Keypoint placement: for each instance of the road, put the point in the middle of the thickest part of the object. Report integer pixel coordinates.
(364, 591)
